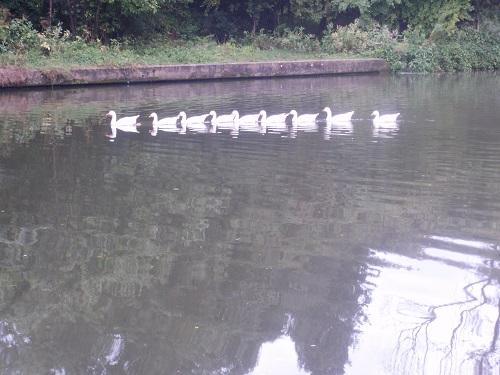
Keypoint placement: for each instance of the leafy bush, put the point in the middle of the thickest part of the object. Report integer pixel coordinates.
(464, 50)
(18, 36)
(417, 53)
(490, 24)
(413, 50)
(296, 40)
(284, 39)
(467, 50)
(355, 39)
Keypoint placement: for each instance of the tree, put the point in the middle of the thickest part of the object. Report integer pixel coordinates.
(436, 17)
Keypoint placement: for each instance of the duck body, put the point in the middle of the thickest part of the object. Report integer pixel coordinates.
(306, 122)
(249, 119)
(292, 116)
(200, 119)
(282, 127)
(126, 124)
(384, 119)
(124, 121)
(167, 121)
(202, 123)
(276, 119)
(167, 124)
(343, 117)
(227, 119)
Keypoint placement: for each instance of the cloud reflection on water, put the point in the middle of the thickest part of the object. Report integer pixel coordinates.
(420, 322)
(278, 357)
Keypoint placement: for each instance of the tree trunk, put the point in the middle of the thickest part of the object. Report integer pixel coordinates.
(50, 13)
(95, 27)
(71, 15)
(322, 23)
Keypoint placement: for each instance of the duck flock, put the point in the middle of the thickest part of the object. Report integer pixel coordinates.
(260, 122)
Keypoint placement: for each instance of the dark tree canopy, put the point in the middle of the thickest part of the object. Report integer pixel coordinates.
(98, 19)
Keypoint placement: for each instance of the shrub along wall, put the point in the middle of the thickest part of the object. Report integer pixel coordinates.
(449, 43)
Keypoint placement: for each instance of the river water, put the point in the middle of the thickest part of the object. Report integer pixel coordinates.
(351, 250)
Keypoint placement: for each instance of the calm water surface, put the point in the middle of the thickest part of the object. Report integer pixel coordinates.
(355, 250)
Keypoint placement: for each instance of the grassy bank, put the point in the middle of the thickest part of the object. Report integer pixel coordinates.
(464, 50)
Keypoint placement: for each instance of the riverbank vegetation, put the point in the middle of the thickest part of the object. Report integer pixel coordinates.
(420, 36)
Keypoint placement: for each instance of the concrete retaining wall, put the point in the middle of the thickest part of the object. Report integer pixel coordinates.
(158, 73)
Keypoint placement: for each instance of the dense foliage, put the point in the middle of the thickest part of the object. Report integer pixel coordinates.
(424, 35)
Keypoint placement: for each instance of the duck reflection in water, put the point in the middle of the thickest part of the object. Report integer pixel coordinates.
(254, 128)
(282, 124)
(384, 131)
(342, 128)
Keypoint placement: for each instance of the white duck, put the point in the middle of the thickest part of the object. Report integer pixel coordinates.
(200, 119)
(168, 124)
(164, 121)
(343, 117)
(377, 119)
(228, 119)
(126, 124)
(275, 119)
(305, 122)
(250, 119)
(201, 124)
(305, 118)
(251, 123)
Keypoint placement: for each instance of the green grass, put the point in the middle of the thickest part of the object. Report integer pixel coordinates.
(77, 53)
(465, 50)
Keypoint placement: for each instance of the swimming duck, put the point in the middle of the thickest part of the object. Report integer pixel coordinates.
(275, 119)
(164, 121)
(228, 119)
(126, 124)
(343, 117)
(251, 119)
(167, 124)
(305, 118)
(377, 119)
